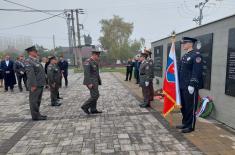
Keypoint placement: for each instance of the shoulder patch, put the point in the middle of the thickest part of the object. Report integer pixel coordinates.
(198, 59)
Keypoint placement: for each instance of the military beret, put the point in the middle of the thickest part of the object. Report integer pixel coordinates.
(188, 39)
(30, 49)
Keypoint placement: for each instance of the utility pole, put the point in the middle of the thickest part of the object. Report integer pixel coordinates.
(200, 6)
(79, 39)
(74, 39)
(54, 42)
(68, 17)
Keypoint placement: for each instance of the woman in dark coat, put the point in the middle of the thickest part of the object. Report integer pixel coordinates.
(7, 66)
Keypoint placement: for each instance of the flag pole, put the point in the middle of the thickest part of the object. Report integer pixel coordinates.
(173, 36)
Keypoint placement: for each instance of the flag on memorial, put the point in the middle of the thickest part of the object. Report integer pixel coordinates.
(171, 83)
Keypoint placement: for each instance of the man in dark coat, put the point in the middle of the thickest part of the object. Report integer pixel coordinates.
(129, 69)
(63, 65)
(136, 69)
(7, 67)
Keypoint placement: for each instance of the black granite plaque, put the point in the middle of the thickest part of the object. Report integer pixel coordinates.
(158, 60)
(177, 50)
(206, 52)
(230, 74)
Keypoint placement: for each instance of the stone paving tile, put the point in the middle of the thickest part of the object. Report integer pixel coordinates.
(123, 128)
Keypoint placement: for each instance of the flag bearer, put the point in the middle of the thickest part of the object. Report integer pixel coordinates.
(190, 81)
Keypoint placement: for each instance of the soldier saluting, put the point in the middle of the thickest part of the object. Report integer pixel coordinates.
(145, 78)
(36, 80)
(92, 81)
(190, 81)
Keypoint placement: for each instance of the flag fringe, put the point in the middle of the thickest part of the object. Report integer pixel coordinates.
(172, 100)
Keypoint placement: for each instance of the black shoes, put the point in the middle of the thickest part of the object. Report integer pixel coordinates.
(40, 118)
(85, 110)
(55, 104)
(180, 127)
(144, 105)
(60, 98)
(187, 130)
(96, 112)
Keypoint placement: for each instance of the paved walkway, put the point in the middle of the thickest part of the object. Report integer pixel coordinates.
(210, 136)
(123, 128)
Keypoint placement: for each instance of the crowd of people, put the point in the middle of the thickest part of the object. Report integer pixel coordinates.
(13, 72)
(35, 75)
(49, 72)
(143, 73)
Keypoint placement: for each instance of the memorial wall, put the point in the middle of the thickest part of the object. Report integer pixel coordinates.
(217, 47)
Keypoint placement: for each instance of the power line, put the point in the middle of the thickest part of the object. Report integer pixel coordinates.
(23, 25)
(31, 8)
(24, 10)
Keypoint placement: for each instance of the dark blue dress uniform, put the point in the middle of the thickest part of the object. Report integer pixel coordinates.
(190, 74)
(63, 64)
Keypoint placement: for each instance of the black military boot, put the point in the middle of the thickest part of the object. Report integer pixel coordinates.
(180, 126)
(145, 105)
(55, 104)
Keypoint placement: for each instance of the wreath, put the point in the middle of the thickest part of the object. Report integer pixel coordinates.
(205, 107)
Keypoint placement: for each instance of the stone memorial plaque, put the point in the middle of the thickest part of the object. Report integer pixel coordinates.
(230, 73)
(158, 60)
(205, 48)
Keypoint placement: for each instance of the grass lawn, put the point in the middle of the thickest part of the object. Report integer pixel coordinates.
(105, 69)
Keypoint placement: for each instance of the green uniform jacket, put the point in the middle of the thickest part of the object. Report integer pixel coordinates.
(91, 72)
(54, 74)
(145, 73)
(35, 73)
(151, 65)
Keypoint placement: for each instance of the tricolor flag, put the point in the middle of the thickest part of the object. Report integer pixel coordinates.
(171, 83)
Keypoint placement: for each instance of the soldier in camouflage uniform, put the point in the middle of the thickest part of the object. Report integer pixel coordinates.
(145, 80)
(92, 81)
(36, 80)
(151, 64)
(54, 80)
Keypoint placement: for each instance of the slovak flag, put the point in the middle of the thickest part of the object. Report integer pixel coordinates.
(171, 84)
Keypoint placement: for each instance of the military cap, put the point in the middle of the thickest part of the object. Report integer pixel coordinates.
(32, 48)
(52, 58)
(144, 54)
(94, 51)
(148, 51)
(188, 39)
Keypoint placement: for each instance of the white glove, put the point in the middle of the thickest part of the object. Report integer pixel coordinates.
(146, 83)
(190, 90)
(21, 72)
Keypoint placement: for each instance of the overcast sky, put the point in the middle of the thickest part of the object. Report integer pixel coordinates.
(153, 19)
